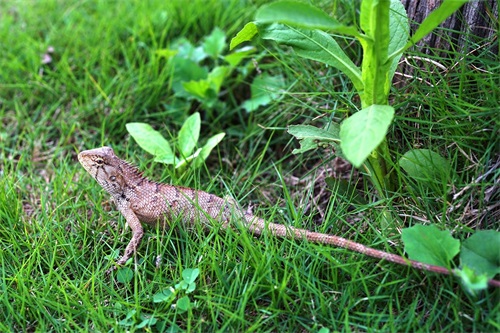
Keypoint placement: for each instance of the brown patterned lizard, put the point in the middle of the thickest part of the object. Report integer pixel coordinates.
(142, 200)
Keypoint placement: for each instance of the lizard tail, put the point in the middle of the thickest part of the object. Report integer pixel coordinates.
(258, 226)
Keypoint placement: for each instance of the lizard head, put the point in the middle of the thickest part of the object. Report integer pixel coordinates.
(106, 168)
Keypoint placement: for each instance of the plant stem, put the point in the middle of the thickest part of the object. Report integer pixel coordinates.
(375, 68)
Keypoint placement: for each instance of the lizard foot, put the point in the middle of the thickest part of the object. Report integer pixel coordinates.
(111, 269)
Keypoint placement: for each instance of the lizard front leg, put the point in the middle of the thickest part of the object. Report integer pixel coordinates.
(137, 232)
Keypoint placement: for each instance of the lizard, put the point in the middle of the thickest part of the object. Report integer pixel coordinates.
(141, 200)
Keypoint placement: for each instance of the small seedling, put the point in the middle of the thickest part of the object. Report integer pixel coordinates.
(154, 143)
(180, 291)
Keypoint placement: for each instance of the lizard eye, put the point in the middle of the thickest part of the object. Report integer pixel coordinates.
(112, 178)
(99, 160)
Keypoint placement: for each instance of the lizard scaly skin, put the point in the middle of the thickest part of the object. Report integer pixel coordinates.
(141, 200)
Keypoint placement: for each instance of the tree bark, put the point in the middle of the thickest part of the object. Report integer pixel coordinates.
(474, 28)
(475, 21)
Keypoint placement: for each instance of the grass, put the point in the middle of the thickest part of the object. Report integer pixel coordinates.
(58, 227)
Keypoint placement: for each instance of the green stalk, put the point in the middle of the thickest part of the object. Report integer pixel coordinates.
(375, 67)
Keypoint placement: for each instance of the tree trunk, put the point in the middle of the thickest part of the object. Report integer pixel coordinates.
(474, 21)
(472, 28)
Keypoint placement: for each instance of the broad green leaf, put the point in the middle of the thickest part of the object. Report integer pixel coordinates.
(163, 295)
(303, 15)
(237, 56)
(244, 35)
(189, 135)
(426, 165)
(185, 70)
(188, 51)
(207, 149)
(362, 132)
(215, 43)
(206, 89)
(264, 89)
(129, 319)
(150, 140)
(124, 275)
(191, 287)
(197, 89)
(472, 281)
(315, 45)
(430, 245)
(399, 32)
(190, 274)
(183, 304)
(481, 252)
(216, 77)
(308, 131)
(171, 159)
(312, 137)
(181, 285)
(306, 144)
(434, 19)
(147, 321)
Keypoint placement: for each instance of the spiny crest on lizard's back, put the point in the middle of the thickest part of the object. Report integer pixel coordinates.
(131, 173)
(130, 169)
